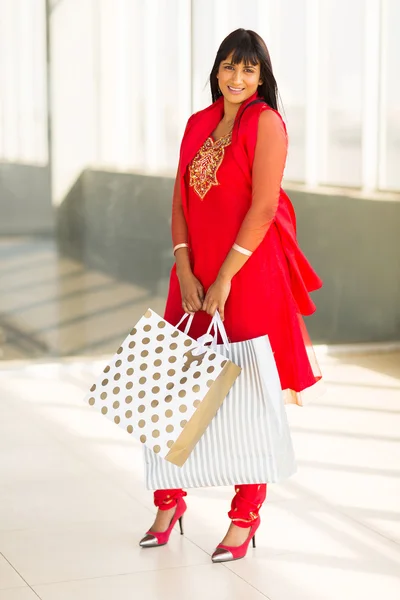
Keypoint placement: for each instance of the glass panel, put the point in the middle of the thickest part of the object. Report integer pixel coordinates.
(390, 158)
(143, 82)
(174, 68)
(341, 158)
(204, 47)
(23, 105)
(290, 72)
(241, 14)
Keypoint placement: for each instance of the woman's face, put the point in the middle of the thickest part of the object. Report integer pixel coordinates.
(238, 82)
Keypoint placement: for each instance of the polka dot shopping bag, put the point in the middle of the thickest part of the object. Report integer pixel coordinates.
(163, 387)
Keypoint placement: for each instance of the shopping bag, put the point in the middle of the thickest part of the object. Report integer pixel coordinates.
(163, 387)
(248, 441)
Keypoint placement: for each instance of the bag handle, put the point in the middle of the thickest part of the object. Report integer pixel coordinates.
(188, 324)
(219, 327)
(216, 324)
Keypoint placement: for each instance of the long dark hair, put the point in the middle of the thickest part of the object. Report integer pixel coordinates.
(247, 47)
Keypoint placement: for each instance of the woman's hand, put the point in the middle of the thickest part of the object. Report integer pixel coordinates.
(216, 296)
(192, 292)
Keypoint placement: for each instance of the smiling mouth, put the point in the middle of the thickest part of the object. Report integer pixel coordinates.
(235, 90)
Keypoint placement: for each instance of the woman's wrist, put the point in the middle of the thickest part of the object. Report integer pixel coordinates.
(183, 269)
(180, 246)
(224, 277)
(182, 259)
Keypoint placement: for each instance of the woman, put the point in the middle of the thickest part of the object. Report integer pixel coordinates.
(235, 247)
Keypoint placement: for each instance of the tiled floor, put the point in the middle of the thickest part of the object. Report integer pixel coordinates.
(73, 505)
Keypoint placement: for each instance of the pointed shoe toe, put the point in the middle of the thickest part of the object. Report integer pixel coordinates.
(152, 539)
(228, 553)
(222, 555)
(149, 541)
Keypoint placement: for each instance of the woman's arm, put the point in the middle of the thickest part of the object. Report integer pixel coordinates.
(179, 228)
(269, 163)
(192, 292)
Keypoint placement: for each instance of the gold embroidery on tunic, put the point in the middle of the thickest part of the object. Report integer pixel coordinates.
(205, 165)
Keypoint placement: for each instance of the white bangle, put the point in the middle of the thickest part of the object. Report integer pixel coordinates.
(242, 250)
(180, 246)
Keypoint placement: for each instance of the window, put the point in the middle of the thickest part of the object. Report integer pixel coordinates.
(390, 101)
(342, 76)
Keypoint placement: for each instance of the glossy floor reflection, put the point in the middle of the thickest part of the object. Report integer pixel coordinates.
(73, 506)
(54, 306)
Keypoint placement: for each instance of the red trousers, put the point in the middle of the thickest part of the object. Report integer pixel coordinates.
(246, 503)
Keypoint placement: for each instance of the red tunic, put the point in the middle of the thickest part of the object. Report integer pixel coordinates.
(229, 191)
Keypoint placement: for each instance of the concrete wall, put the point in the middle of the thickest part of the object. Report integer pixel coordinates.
(120, 224)
(25, 200)
(354, 244)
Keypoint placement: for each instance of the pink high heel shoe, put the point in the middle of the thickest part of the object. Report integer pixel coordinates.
(160, 538)
(229, 553)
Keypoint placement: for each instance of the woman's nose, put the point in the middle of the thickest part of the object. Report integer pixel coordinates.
(237, 77)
